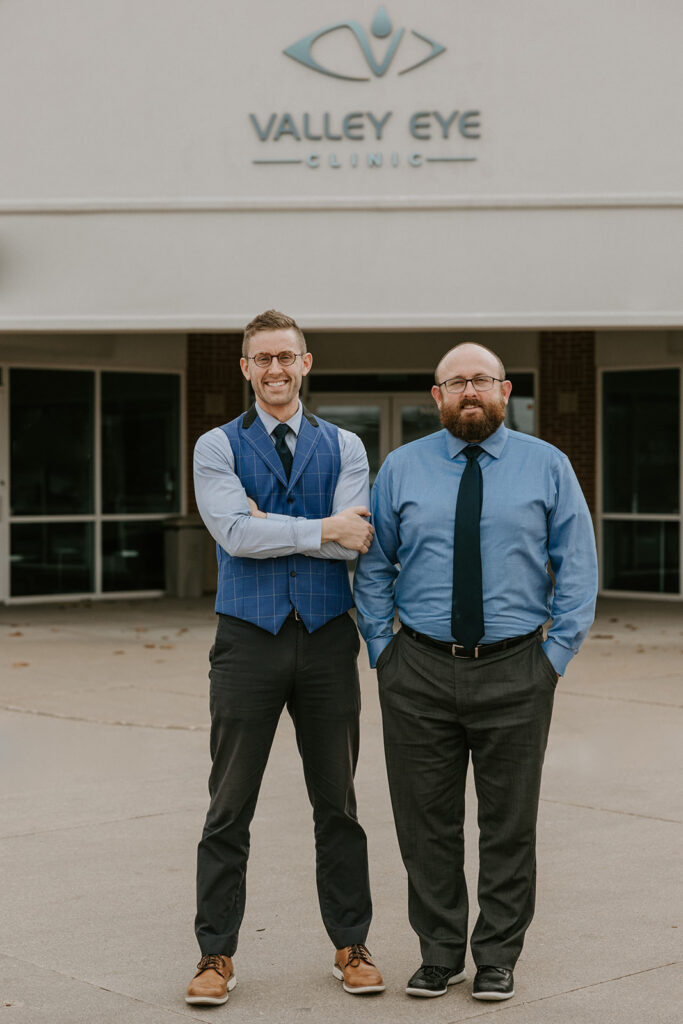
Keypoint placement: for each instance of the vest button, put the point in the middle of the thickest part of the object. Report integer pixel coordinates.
(292, 573)
(290, 499)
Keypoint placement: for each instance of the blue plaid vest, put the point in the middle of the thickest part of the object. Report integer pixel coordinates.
(264, 590)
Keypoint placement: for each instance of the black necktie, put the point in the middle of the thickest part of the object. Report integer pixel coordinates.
(467, 620)
(281, 448)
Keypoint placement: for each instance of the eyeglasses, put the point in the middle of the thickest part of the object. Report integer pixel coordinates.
(264, 359)
(456, 385)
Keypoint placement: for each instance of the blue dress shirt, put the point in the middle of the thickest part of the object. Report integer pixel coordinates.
(222, 500)
(533, 514)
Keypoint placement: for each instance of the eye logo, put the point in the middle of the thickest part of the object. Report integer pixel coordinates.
(381, 28)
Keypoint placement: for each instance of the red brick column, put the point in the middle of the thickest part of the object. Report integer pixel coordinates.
(567, 400)
(214, 389)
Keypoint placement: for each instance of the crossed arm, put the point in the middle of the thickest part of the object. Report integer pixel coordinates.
(236, 523)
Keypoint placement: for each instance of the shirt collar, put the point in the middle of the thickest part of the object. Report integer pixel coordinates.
(493, 445)
(270, 423)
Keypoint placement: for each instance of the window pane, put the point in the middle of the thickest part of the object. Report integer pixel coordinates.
(362, 420)
(641, 441)
(133, 556)
(140, 442)
(51, 427)
(520, 413)
(641, 556)
(418, 420)
(51, 558)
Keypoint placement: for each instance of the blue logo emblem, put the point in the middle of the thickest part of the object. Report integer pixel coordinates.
(381, 28)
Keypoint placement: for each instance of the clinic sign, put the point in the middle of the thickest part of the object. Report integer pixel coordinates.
(367, 136)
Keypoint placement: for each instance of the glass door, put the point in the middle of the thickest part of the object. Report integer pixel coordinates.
(383, 422)
(414, 416)
(366, 415)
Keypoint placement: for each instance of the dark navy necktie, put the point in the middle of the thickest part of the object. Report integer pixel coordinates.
(467, 619)
(281, 448)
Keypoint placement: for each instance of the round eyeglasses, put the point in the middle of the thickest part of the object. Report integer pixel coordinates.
(482, 382)
(285, 358)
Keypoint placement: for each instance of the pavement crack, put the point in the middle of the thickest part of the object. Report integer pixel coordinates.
(88, 824)
(619, 700)
(565, 992)
(14, 709)
(612, 810)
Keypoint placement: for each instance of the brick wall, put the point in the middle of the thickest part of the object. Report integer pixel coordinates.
(214, 389)
(567, 400)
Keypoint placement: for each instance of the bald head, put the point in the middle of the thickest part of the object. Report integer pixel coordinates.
(460, 360)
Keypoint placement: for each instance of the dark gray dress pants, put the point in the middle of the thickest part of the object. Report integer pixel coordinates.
(253, 676)
(438, 711)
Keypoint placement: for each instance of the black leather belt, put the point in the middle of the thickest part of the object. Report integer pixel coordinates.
(458, 651)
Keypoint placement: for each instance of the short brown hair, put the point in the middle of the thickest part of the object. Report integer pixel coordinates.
(271, 320)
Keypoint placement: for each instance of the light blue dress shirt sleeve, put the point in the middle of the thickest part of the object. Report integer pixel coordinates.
(374, 588)
(573, 560)
(222, 504)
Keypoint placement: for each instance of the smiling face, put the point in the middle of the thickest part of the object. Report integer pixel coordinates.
(276, 387)
(472, 415)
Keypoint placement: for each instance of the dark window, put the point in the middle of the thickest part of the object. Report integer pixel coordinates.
(132, 556)
(140, 442)
(51, 427)
(641, 556)
(641, 441)
(51, 558)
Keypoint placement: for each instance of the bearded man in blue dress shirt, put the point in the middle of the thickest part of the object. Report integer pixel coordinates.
(284, 495)
(481, 535)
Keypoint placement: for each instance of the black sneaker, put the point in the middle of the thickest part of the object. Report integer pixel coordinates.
(493, 983)
(430, 981)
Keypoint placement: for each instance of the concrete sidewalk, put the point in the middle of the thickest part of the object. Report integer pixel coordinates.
(103, 768)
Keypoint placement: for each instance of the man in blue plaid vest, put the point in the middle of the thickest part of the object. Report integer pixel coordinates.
(285, 495)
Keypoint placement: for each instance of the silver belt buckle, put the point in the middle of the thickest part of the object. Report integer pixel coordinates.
(459, 647)
(297, 616)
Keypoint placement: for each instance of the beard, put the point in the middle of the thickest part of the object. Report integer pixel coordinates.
(473, 429)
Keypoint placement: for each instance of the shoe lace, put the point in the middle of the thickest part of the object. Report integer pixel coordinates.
(358, 952)
(211, 962)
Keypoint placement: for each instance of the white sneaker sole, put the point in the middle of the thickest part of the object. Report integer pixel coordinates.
(425, 994)
(207, 1000)
(356, 991)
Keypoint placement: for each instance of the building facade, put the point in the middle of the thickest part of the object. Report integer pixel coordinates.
(399, 177)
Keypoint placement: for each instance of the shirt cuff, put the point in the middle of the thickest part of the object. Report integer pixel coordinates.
(309, 535)
(558, 656)
(376, 646)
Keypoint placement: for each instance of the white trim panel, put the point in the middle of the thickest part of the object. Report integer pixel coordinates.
(435, 269)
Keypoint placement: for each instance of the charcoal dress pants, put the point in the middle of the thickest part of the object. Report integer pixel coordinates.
(439, 711)
(254, 675)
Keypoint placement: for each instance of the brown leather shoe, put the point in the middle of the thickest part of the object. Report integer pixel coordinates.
(353, 966)
(212, 982)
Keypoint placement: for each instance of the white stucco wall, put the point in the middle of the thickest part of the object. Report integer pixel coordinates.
(129, 197)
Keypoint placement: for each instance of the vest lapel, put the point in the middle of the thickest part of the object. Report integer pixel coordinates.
(256, 435)
(307, 441)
